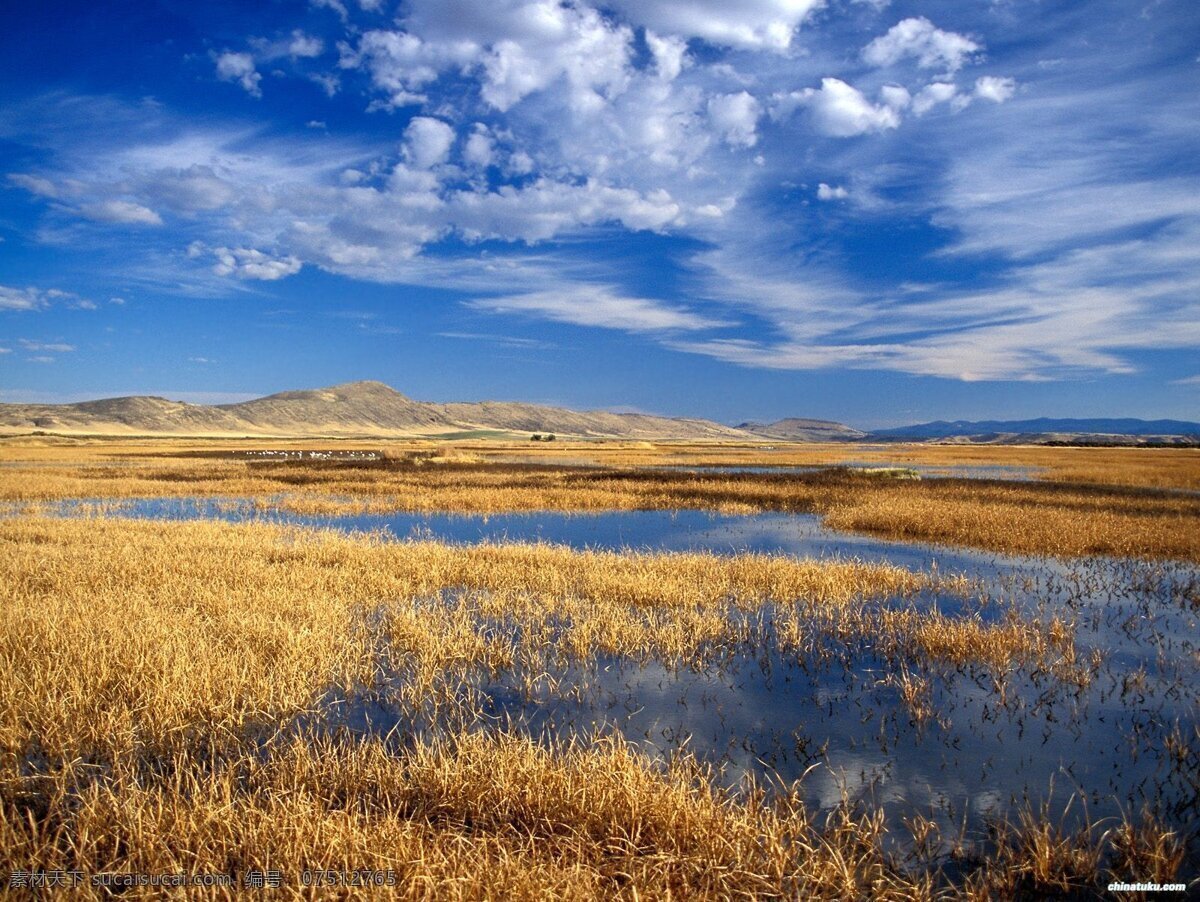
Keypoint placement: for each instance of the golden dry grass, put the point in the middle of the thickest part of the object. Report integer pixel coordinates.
(477, 817)
(126, 636)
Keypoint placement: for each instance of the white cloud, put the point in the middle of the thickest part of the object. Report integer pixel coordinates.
(56, 347)
(329, 83)
(735, 117)
(751, 24)
(248, 263)
(121, 211)
(427, 142)
(22, 298)
(478, 149)
(239, 67)
(188, 190)
(831, 192)
(335, 5)
(546, 208)
(919, 39)
(601, 306)
(997, 90)
(401, 64)
(932, 94)
(515, 47)
(670, 54)
(572, 43)
(895, 96)
(34, 184)
(840, 110)
(305, 46)
(30, 299)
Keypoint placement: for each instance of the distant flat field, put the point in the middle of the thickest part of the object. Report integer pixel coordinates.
(1027, 500)
(1142, 467)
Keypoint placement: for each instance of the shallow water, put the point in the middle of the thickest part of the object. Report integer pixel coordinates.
(760, 710)
(797, 535)
(1003, 472)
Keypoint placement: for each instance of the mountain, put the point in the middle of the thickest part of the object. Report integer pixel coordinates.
(1046, 429)
(356, 408)
(794, 429)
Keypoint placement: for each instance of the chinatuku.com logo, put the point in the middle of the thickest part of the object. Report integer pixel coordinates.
(1147, 887)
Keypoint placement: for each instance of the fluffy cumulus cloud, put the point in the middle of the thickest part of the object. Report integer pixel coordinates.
(514, 47)
(735, 117)
(304, 46)
(997, 90)
(841, 111)
(31, 298)
(246, 262)
(921, 40)
(240, 68)
(479, 148)
(831, 192)
(427, 142)
(932, 95)
(750, 24)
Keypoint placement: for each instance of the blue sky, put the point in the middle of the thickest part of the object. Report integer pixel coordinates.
(877, 212)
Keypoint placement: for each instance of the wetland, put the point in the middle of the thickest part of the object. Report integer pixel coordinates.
(636, 682)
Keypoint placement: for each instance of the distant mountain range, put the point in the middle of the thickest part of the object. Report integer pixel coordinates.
(356, 408)
(1044, 429)
(372, 408)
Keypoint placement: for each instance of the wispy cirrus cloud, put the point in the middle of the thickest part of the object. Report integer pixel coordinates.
(599, 305)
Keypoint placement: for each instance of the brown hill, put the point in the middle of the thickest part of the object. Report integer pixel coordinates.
(354, 406)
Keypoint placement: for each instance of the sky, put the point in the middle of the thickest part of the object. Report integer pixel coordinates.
(868, 211)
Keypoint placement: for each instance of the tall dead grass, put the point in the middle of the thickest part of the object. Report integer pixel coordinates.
(475, 816)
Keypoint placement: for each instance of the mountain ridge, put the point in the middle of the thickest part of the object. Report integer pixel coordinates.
(351, 408)
(368, 407)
